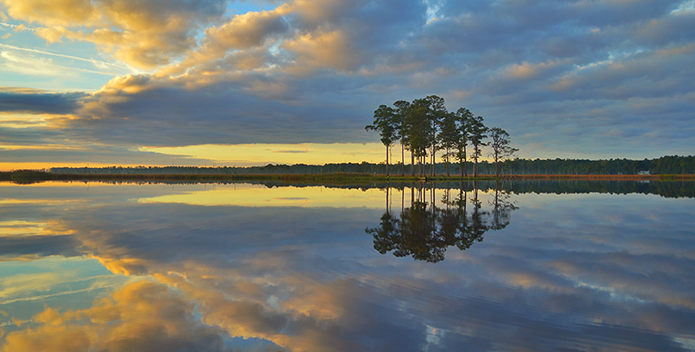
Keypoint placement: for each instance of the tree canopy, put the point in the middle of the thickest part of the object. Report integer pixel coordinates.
(425, 127)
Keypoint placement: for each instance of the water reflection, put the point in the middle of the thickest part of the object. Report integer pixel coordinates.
(128, 268)
(424, 230)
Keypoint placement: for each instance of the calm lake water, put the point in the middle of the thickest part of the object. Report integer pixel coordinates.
(537, 266)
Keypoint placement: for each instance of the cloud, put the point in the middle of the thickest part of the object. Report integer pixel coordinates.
(89, 154)
(144, 34)
(61, 12)
(38, 246)
(244, 31)
(313, 71)
(126, 109)
(329, 49)
(139, 317)
(37, 101)
(291, 151)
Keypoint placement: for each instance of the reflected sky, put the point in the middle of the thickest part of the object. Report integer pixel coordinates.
(255, 268)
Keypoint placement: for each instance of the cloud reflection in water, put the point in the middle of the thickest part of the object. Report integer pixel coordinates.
(568, 271)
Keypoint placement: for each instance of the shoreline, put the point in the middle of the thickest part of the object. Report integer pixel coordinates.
(29, 176)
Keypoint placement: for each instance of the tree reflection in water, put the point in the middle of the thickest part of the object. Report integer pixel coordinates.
(424, 230)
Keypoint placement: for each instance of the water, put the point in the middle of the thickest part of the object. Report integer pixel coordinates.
(538, 266)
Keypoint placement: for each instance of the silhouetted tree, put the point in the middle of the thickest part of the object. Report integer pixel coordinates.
(419, 129)
(402, 110)
(501, 208)
(463, 119)
(449, 138)
(500, 147)
(386, 234)
(478, 132)
(424, 231)
(385, 124)
(436, 115)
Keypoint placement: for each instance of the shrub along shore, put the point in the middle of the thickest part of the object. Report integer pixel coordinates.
(31, 176)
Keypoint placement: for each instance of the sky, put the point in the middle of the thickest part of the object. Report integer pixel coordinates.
(214, 82)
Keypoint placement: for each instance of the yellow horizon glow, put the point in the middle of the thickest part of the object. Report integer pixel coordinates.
(48, 165)
(242, 155)
(255, 195)
(251, 195)
(262, 154)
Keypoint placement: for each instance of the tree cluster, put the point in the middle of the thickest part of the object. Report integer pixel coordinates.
(425, 127)
(424, 231)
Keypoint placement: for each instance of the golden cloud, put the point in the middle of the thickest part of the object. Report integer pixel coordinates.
(144, 34)
(142, 316)
(151, 34)
(243, 31)
(313, 317)
(321, 49)
(50, 338)
(53, 12)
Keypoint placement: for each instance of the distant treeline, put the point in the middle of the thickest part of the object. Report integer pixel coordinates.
(667, 189)
(663, 165)
(674, 189)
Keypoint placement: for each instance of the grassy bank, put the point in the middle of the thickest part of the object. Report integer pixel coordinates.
(31, 176)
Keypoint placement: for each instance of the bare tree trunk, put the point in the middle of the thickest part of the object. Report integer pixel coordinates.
(434, 195)
(465, 170)
(412, 162)
(387, 160)
(447, 162)
(434, 210)
(497, 166)
(412, 195)
(388, 190)
(402, 159)
(420, 165)
(434, 160)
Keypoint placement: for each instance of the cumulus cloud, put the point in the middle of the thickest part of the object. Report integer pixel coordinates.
(313, 71)
(144, 34)
(61, 12)
(139, 317)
